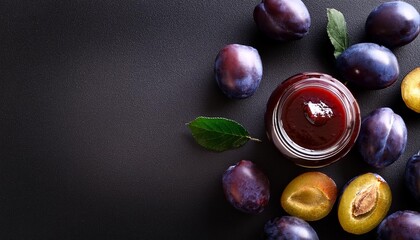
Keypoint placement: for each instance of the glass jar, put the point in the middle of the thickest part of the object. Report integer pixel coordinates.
(312, 119)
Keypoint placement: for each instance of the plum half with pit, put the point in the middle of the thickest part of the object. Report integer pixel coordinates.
(364, 203)
(368, 65)
(401, 225)
(393, 24)
(282, 20)
(382, 138)
(289, 228)
(238, 70)
(246, 187)
(412, 176)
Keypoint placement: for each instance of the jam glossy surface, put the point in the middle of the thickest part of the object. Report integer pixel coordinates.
(314, 118)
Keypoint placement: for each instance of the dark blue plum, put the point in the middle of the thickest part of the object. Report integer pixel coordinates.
(382, 138)
(289, 228)
(246, 187)
(393, 24)
(238, 70)
(401, 225)
(368, 65)
(412, 176)
(282, 20)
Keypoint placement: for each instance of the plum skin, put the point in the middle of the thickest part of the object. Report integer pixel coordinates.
(282, 20)
(289, 228)
(393, 24)
(382, 137)
(238, 70)
(246, 187)
(400, 225)
(412, 176)
(368, 65)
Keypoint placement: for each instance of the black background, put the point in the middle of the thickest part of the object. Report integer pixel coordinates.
(94, 100)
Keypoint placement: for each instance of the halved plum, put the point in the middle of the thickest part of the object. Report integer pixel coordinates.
(309, 196)
(364, 203)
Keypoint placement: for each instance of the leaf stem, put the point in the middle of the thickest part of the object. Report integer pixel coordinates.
(254, 139)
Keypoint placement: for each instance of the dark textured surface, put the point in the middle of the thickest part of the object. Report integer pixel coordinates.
(94, 100)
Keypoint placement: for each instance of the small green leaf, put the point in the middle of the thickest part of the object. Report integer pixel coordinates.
(337, 31)
(219, 134)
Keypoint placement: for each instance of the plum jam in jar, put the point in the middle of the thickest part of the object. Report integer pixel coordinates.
(312, 119)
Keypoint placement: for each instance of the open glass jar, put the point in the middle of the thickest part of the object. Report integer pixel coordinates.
(312, 119)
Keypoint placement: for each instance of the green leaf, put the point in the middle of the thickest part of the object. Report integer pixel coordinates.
(337, 31)
(219, 134)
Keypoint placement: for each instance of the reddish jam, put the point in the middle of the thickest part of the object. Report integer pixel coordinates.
(313, 119)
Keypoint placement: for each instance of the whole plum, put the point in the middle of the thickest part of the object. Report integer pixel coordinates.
(393, 24)
(368, 65)
(412, 175)
(401, 225)
(289, 228)
(382, 138)
(238, 70)
(246, 187)
(282, 20)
